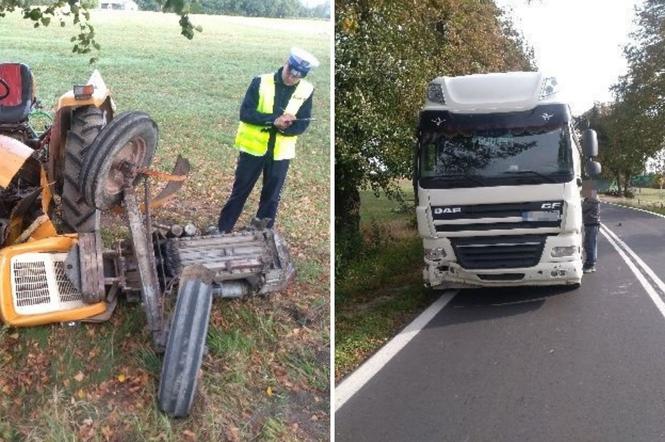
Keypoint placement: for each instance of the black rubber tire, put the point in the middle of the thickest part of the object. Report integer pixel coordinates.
(125, 130)
(86, 123)
(185, 347)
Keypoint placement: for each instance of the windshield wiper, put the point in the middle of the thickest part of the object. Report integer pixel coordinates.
(548, 178)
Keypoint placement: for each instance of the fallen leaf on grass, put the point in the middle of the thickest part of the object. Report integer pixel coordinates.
(107, 432)
(79, 376)
(189, 435)
(122, 378)
(269, 391)
(232, 434)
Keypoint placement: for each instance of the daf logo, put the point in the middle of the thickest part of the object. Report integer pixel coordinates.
(550, 206)
(446, 210)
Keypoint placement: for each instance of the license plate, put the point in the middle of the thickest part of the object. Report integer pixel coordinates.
(541, 215)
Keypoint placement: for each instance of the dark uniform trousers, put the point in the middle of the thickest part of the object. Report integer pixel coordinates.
(247, 173)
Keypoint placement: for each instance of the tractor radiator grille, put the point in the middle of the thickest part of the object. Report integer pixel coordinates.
(39, 284)
(30, 283)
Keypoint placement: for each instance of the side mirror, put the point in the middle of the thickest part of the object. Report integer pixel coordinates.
(590, 143)
(593, 168)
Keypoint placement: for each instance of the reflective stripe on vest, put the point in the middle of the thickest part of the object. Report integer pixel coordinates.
(253, 139)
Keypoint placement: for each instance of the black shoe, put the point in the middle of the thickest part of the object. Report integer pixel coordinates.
(589, 269)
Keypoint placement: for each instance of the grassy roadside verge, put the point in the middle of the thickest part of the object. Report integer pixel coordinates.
(645, 198)
(381, 291)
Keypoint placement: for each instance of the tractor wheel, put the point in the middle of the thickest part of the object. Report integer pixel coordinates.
(124, 146)
(185, 347)
(78, 216)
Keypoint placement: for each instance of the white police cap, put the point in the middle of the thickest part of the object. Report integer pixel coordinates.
(300, 61)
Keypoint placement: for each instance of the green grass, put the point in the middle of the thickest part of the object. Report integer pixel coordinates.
(381, 290)
(193, 90)
(645, 198)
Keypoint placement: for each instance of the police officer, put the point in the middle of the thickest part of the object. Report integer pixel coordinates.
(276, 109)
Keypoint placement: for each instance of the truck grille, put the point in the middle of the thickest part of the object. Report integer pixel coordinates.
(526, 215)
(499, 252)
(39, 284)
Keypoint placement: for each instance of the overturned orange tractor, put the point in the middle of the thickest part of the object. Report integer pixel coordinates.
(55, 186)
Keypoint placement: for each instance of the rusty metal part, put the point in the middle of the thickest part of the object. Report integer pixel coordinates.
(147, 269)
(181, 169)
(162, 176)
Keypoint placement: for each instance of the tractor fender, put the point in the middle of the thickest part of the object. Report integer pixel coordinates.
(101, 98)
(14, 154)
(98, 98)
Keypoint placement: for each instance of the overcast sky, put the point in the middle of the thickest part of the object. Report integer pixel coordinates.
(579, 42)
(312, 3)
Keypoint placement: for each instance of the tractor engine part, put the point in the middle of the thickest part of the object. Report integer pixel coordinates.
(247, 262)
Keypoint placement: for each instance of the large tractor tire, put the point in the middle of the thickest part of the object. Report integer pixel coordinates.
(77, 215)
(123, 147)
(185, 347)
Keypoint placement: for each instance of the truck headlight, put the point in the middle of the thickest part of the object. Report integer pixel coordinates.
(558, 252)
(435, 254)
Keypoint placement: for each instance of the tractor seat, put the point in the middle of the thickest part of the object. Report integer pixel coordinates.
(15, 92)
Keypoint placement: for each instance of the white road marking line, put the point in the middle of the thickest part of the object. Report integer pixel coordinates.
(659, 282)
(613, 239)
(637, 209)
(356, 380)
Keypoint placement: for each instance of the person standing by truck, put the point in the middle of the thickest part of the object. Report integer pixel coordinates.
(591, 220)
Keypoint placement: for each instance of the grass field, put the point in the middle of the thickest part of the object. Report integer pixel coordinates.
(381, 290)
(266, 374)
(645, 198)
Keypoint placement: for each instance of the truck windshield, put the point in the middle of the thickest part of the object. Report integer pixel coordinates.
(496, 157)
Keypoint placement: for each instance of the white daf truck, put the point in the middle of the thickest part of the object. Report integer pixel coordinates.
(498, 173)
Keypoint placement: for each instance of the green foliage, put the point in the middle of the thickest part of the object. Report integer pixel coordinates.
(386, 53)
(632, 128)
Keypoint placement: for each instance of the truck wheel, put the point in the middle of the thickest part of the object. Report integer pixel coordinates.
(86, 124)
(124, 146)
(185, 347)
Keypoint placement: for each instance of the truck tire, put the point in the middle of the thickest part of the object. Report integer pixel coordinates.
(129, 140)
(185, 347)
(77, 215)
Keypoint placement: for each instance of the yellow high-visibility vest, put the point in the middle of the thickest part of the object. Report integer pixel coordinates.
(253, 139)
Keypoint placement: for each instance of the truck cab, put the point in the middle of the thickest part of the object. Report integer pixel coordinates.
(498, 172)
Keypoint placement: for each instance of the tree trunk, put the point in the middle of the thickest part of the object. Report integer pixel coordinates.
(347, 214)
(626, 183)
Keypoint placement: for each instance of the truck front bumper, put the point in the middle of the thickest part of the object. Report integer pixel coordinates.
(446, 275)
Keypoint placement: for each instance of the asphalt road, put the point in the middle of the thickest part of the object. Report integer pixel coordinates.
(533, 364)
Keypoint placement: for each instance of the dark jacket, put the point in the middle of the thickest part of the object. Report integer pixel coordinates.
(249, 114)
(591, 212)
